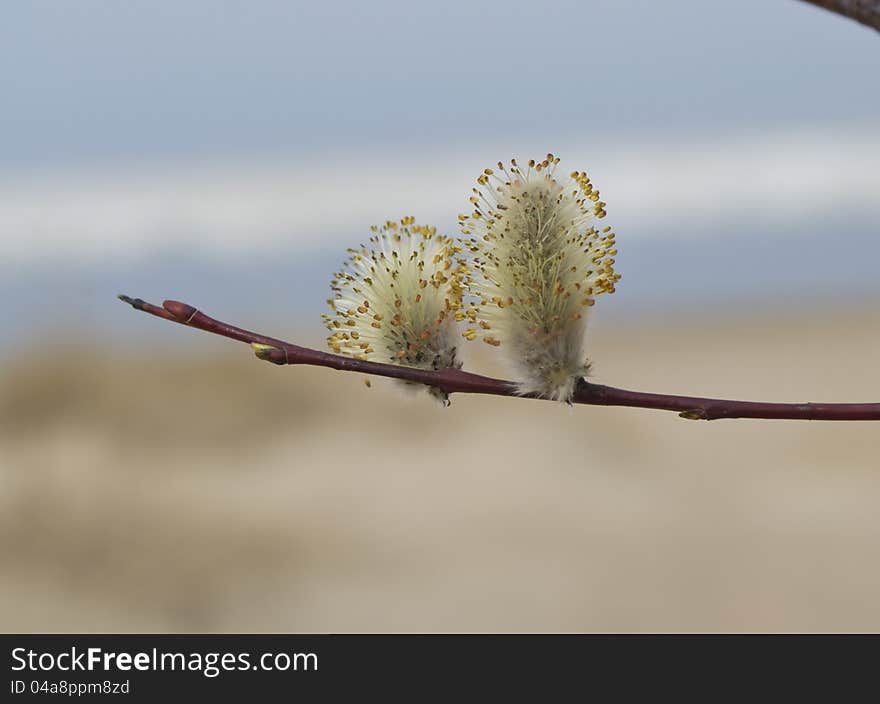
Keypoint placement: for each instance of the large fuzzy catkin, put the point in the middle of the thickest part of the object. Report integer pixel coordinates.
(539, 262)
(395, 300)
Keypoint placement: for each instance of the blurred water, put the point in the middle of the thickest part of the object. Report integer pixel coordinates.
(284, 295)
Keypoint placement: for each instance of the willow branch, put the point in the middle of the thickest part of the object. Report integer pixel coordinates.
(865, 11)
(456, 381)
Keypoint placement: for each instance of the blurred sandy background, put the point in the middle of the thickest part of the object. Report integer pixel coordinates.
(210, 492)
(154, 478)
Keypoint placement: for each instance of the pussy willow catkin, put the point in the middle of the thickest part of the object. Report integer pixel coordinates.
(539, 262)
(395, 300)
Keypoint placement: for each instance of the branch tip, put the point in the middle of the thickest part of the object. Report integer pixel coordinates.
(135, 303)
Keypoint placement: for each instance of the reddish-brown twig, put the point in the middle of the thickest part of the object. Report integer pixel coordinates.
(867, 12)
(456, 381)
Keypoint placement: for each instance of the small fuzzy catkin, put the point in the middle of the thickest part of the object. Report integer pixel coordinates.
(395, 300)
(538, 264)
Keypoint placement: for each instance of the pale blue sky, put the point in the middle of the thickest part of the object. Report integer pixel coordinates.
(151, 95)
(91, 80)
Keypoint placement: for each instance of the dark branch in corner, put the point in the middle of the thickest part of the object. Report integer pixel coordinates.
(456, 381)
(866, 12)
